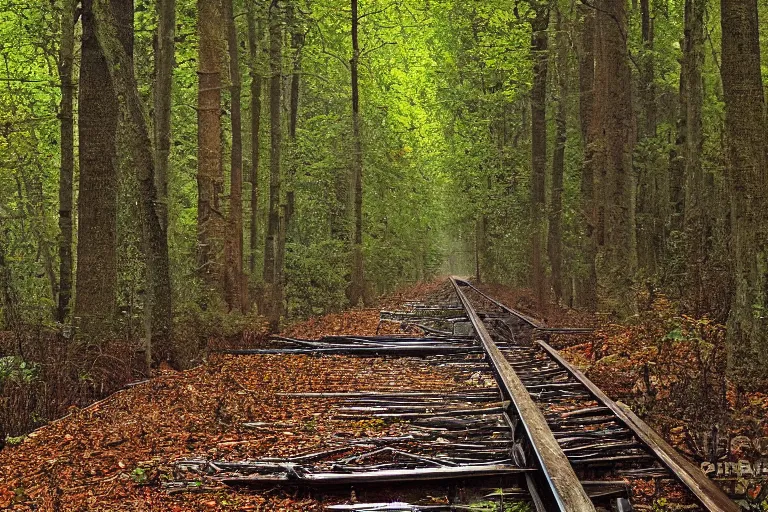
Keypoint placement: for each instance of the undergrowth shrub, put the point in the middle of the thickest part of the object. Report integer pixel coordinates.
(44, 374)
(317, 281)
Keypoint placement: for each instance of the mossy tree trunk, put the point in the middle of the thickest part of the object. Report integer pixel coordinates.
(539, 48)
(274, 300)
(235, 289)
(211, 221)
(67, 167)
(745, 130)
(120, 64)
(96, 280)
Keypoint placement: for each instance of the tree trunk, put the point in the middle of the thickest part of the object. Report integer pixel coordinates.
(539, 147)
(164, 63)
(297, 43)
(648, 72)
(555, 242)
(271, 273)
(235, 292)
(95, 302)
(480, 248)
(586, 289)
(66, 171)
(357, 284)
(120, 65)
(254, 48)
(745, 130)
(211, 224)
(611, 138)
(649, 218)
(676, 158)
(36, 211)
(695, 219)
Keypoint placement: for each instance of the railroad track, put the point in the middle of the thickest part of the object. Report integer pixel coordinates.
(573, 431)
(531, 426)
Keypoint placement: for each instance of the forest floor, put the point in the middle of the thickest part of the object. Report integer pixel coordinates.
(116, 454)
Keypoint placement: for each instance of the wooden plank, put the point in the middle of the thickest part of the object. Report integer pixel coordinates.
(706, 491)
(408, 351)
(378, 476)
(564, 486)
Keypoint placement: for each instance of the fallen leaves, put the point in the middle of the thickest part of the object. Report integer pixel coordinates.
(114, 455)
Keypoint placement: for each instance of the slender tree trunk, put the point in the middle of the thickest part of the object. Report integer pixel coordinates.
(271, 273)
(120, 64)
(357, 285)
(611, 139)
(235, 283)
(36, 211)
(586, 292)
(9, 299)
(555, 242)
(677, 152)
(480, 248)
(539, 147)
(254, 48)
(96, 298)
(695, 219)
(211, 224)
(164, 63)
(297, 43)
(649, 218)
(745, 130)
(648, 71)
(66, 171)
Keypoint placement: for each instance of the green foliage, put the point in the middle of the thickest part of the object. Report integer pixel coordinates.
(316, 278)
(14, 441)
(495, 506)
(139, 476)
(446, 120)
(15, 369)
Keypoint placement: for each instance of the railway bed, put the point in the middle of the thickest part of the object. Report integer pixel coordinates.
(527, 427)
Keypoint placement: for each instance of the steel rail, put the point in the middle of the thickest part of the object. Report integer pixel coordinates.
(705, 490)
(564, 491)
(522, 316)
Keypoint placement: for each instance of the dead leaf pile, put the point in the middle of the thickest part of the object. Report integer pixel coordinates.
(116, 454)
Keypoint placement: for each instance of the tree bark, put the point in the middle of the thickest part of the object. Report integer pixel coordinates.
(539, 44)
(649, 218)
(586, 292)
(254, 48)
(297, 43)
(211, 224)
(745, 130)
(555, 242)
(612, 135)
(120, 65)
(271, 273)
(95, 302)
(694, 219)
(164, 63)
(676, 155)
(235, 292)
(66, 170)
(36, 211)
(357, 285)
(648, 71)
